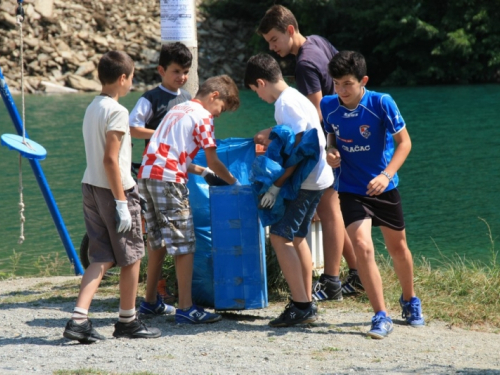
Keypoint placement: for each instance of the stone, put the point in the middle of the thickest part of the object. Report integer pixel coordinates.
(80, 83)
(85, 68)
(54, 88)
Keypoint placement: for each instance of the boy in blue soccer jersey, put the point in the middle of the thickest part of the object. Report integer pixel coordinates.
(366, 126)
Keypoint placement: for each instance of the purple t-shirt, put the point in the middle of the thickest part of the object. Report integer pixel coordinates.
(311, 70)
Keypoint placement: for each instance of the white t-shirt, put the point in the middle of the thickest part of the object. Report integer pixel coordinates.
(295, 110)
(102, 115)
(185, 129)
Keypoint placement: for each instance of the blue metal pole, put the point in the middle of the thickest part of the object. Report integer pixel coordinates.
(42, 182)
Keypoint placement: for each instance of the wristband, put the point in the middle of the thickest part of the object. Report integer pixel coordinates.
(386, 175)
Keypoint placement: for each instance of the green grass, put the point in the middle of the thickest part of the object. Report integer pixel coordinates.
(459, 292)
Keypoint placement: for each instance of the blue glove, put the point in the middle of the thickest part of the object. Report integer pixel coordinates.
(269, 198)
(123, 218)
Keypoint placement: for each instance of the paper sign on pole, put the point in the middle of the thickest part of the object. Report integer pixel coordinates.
(178, 22)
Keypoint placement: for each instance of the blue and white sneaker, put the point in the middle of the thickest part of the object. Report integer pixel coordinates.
(381, 326)
(412, 312)
(148, 310)
(195, 315)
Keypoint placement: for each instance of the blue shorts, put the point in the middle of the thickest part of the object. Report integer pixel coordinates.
(298, 215)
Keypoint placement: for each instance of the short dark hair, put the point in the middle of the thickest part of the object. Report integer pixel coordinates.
(175, 53)
(262, 66)
(113, 65)
(277, 17)
(347, 63)
(228, 91)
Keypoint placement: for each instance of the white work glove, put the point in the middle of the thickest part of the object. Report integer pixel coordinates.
(237, 183)
(269, 198)
(123, 218)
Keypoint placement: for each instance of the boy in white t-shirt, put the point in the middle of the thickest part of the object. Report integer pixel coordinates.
(167, 160)
(263, 75)
(110, 204)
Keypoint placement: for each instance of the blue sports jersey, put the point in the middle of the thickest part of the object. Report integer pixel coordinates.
(364, 138)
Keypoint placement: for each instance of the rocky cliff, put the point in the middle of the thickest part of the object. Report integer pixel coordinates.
(63, 42)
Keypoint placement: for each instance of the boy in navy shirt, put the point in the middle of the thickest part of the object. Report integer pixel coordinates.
(366, 159)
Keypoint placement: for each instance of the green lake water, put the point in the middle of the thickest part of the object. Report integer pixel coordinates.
(449, 183)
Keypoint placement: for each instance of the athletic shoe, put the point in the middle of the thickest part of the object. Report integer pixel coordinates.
(135, 330)
(148, 310)
(381, 326)
(352, 284)
(325, 289)
(412, 312)
(84, 333)
(293, 315)
(195, 315)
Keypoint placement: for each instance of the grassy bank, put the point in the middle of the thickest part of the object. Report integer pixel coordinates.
(462, 293)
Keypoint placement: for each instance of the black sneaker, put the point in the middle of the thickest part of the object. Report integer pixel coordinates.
(293, 315)
(325, 289)
(84, 333)
(135, 330)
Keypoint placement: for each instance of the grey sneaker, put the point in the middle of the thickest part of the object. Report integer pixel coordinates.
(325, 289)
(83, 333)
(352, 285)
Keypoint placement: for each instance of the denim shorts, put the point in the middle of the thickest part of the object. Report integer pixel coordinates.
(298, 215)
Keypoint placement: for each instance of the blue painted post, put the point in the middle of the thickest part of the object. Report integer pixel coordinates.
(42, 182)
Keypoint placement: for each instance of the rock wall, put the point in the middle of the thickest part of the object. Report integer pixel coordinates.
(63, 42)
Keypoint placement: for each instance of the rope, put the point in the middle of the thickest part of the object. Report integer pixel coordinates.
(19, 21)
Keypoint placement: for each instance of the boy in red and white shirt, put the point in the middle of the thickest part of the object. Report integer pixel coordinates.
(185, 129)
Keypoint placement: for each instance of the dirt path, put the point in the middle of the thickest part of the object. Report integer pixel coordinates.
(32, 324)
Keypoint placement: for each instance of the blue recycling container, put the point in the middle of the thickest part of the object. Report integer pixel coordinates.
(238, 249)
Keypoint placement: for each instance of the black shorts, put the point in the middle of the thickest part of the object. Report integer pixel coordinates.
(385, 209)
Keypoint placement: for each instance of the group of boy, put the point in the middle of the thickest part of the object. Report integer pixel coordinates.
(352, 187)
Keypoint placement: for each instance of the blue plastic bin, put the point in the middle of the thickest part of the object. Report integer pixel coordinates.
(238, 249)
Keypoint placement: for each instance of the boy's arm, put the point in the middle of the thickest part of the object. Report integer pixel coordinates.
(112, 168)
(217, 166)
(210, 177)
(262, 137)
(269, 198)
(141, 133)
(138, 117)
(332, 154)
(315, 99)
(403, 148)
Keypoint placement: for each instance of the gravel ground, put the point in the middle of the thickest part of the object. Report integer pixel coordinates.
(31, 342)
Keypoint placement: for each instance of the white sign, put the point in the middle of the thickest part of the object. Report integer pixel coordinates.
(178, 23)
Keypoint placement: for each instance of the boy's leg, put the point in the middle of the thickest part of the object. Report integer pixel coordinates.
(90, 282)
(155, 264)
(304, 252)
(397, 247)
(403, 266)
(129, 279)
(360, 235)
(329, 213)
(291, 266)
(184, 273)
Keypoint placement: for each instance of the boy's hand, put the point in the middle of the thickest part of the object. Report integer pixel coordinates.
(333, 157)
(269, 198)
(123, 218)
(212, 179)
(378, 185)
